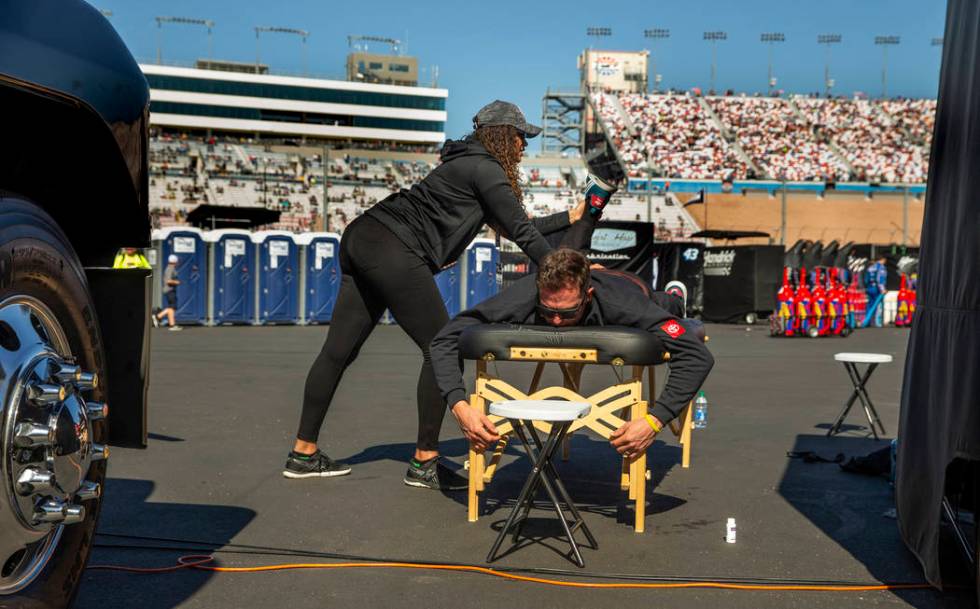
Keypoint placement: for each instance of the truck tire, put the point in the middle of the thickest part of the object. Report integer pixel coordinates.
(54, 428)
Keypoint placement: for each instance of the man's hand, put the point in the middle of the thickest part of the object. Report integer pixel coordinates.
(476, 426)
(575, 214)
(633, 438)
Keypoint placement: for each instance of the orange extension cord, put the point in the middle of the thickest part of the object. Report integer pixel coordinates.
(200, 561)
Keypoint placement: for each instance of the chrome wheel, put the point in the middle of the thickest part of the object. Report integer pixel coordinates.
(45, 438)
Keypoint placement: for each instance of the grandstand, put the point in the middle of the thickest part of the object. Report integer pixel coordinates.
(799, 139)
(187, 172)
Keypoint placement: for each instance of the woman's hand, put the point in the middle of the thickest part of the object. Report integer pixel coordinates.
(575, 214)
(476, 426)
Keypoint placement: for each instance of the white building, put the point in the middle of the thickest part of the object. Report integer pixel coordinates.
(270, 106)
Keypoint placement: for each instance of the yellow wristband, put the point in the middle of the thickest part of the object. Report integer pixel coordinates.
(654, 424)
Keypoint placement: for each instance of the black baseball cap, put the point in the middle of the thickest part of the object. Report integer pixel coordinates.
(500, 112)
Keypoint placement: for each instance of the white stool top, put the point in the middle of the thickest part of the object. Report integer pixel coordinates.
(540, 410)
(863, 358)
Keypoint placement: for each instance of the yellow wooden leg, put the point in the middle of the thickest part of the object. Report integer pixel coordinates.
(476, 471)
(473, 499)
(686, 436)
(638, 471)
(632, 479)
(640, 481)
(624, 477)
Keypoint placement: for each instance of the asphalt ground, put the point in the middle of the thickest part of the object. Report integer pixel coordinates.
(224, 404)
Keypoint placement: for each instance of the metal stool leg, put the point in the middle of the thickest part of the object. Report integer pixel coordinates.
(525, 494)
(859, 382)
(560, 486)
(541, 475)
(869, 407)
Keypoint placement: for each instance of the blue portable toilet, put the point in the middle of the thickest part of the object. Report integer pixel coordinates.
(187, 243)
(448, 282)
(320, 280)
(278, 277)
(231, 278)
(479, 272)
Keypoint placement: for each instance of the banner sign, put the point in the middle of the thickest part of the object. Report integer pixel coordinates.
(625, 246)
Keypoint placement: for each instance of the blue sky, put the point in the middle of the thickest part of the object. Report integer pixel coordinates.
(515, 50)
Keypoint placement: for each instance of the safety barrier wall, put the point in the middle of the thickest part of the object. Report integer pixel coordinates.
(716, 186)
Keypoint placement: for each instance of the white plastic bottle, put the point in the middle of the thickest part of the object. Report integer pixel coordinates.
(730, 531)
(700, 420)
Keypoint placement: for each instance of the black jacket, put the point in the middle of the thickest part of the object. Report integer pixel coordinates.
(438, 217)
(617, 301)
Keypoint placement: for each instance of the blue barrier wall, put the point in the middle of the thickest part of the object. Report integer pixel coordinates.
(715, 186)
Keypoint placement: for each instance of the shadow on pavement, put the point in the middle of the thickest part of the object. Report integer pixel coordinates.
(857, 512)
(131, 515)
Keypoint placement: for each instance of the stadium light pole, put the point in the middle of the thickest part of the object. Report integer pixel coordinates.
(936, 42)
(884, 42)
(656, 34)
(184, 21)
(105, 12)
(714, 38)
(771, 38)
(827, 40)
(597, 33)
(303, 34)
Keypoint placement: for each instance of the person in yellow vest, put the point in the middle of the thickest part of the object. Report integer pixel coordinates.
(130, 258)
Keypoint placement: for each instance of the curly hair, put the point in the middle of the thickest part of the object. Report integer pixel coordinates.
(500, 142)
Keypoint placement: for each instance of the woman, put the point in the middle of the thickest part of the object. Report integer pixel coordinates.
(388, 257)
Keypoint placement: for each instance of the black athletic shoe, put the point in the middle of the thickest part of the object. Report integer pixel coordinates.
(317, 465)
(433, 474)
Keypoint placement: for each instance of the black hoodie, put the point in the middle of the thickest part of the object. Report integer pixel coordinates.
(617, 301)
(438, 217)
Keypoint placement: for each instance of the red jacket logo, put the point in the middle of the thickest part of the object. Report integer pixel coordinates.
(672, 329)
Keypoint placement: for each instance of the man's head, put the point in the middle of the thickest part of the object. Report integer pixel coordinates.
(172, 259)
(563, 287)
(129, 251)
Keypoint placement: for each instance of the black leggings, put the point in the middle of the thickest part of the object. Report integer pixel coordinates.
(379, 271)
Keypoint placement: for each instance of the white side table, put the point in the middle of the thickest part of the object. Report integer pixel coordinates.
(850, 361)
(561, 414)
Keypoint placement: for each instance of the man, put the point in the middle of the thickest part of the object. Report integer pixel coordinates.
(566, 293)
(874, 282)
(170, 283)
(130, 258)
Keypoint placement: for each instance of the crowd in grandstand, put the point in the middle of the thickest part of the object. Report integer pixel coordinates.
(187, 172)
(679, 135)
(670, 134)
(778, 141)
(684, 135)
